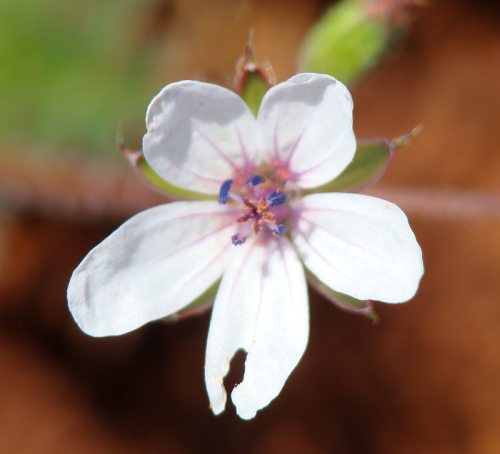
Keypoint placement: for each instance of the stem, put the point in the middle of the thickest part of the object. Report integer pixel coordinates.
(94, 193)
(443, 204)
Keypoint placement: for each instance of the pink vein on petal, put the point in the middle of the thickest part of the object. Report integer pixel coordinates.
(294, 146)
(315, 166)
(243, 262)
(194, 174)
(203, 268)
(337, 210)
(259, 303)
(285, 264)
(290, 152)
(244, 150)
(197, 239)
(221, 153)
(320, 255)
(197, 273)
(276, 148)
(343, 240)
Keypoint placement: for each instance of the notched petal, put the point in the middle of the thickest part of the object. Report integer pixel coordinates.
(270, 322)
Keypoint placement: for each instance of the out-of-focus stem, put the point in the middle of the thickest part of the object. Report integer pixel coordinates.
(81, 193)
(95, 193)
(442, 203)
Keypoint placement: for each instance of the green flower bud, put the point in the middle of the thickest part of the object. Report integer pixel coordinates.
(348, 40)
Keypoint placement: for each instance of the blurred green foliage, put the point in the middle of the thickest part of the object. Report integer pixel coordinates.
(72, 75)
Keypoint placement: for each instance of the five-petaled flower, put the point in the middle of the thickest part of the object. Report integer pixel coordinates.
(203, 138)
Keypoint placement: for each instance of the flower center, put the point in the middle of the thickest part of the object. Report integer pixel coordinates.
(262, 205)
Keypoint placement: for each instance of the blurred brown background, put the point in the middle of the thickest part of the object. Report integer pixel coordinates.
(426, 379)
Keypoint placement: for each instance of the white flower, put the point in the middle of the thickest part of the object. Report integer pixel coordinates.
(204, 138)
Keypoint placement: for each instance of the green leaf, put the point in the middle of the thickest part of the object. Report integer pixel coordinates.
(344, 302)
(369, 163)
(346, 42)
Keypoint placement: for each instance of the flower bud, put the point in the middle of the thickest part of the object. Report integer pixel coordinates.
(351, 37)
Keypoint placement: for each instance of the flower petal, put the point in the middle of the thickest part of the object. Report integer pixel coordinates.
(151, 266)
(359, 245)
(198, 135)
(262, 308)
(306, 123)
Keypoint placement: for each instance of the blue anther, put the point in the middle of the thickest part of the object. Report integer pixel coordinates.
(237, 240)
(255, 180)
(224, 191)
(276, 199)
(280, 230)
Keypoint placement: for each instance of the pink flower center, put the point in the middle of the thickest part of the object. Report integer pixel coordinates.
(262, 204)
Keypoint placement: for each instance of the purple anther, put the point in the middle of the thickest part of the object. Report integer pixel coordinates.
(224, 191)
(255, 180)
(279, 230)
(237, 240)
(276, 199)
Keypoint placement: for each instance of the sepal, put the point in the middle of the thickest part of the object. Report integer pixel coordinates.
(345, 302)
(198, 307)
(252, 80)
(368, 165)
(137, 160)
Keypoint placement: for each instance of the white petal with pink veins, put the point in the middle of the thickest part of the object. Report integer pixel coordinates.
(262, 308)
(307, 123)
(150, 267)
(198, 135)
(359, 245)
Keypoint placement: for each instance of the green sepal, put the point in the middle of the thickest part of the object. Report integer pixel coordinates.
(369, 163)
(253, 90)
(198, 307)
(346, 42)
(137, 160)
(252, 80)
(344, 302)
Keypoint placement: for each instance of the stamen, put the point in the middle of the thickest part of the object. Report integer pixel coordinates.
(224, 191)
(237, 240)
(279, 230)
(276, 198)
(255, 180)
